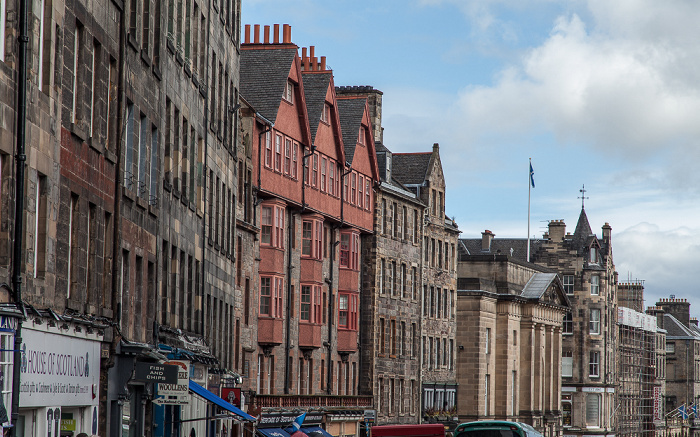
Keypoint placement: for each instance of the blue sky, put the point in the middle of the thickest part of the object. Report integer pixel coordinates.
(600, 93)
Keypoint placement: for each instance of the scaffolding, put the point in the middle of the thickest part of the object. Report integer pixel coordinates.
(636, 373)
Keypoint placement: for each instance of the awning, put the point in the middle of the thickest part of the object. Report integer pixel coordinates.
(214, 399)
(273, 432)
(315, 431)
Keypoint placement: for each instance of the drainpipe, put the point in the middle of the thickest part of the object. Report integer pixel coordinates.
(21, 159)
(288, 346)
(202, 315)
(331, 300)
(270, 125)
(304, 173)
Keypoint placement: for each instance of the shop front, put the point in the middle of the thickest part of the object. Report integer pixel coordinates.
(59, 383)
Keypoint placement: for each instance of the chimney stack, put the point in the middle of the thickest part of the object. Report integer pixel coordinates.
(557, 228)
(486, 239)
(678, 308)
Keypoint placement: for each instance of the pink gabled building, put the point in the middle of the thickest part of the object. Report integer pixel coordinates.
(314, 172)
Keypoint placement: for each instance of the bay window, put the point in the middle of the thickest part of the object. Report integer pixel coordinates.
(272, 226)
(311, 310)
(312, 239)
(350, 250)
(271, 291)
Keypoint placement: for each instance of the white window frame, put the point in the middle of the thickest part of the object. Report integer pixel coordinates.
(594, 322)
(3, 12)
(568, 282)
(594, 364)
(567, 365)
(595, 285)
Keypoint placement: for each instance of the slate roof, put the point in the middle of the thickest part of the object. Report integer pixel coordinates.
(583, 229)
(675, 328)
(315, 89)
(411, 168)
(351, 112)
(537, 285)
(264, 75)
(519, 245)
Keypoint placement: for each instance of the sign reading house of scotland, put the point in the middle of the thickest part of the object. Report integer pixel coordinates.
(58, 370)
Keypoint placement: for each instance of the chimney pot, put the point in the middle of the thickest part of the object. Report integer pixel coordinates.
(286, 33)
(266, 32)
(247, 33)
(314, 65)
(276, 34)
(303, 59)
(256, 34)
(323, 63)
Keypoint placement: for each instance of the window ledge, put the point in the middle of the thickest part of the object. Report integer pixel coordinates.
(156, 72)
(78, 132)
(145, 58)
(132, 41)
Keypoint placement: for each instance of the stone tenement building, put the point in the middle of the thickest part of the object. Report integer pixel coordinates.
(422, 174)
(130, 195)
(509, 337)
(391, 305)
(682, 362)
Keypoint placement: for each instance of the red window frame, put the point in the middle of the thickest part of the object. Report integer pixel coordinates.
(268, 149)
(331, 177)
(346, 182)
(324, 163)
(314, 171)
(278, 153)
(265, 308)
(353, 188)
(312, 238)
(295, 164)
(272, 225)
(347, 311)
(368, 197)
(287, 155)
(310, 310)
(350, 250)
(360, 191)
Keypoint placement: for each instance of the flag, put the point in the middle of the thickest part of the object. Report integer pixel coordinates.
(296, 424)
(532, 176)
(684, 413)
(694, 409)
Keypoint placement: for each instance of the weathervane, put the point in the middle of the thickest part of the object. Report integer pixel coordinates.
(583, 196)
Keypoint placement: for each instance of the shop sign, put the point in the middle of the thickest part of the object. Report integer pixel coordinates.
(58, 370)
(178, 393)
(67, 424)
(370, 416)
(152, 372)
(8, 323)
(277, 420)
(232, 396)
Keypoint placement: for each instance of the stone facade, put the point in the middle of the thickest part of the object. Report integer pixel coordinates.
(391, 305)
(509, 337)
(422, 173)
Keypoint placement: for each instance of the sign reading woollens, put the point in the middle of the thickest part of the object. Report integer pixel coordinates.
(58, 370)
(152, 372)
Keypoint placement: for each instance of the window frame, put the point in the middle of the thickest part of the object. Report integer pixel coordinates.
(593, 323)
(595, 285)
(594, 364)
(568, 284)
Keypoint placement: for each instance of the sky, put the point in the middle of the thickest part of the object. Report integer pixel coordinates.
(602, 94)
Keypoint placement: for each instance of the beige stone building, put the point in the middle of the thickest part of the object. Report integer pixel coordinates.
(509, 337)
(589, 345)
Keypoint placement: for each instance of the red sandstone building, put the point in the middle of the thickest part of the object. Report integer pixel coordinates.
(314, 170)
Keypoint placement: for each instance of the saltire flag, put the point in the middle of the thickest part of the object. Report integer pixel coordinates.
(532, 176)
(684, 413)
(694, 410)
(296, 424)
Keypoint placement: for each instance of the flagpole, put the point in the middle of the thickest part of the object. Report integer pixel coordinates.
(529, 189)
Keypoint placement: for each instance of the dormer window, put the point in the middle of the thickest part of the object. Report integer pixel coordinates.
(361, 138)
(594, 254)
(288, 94)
